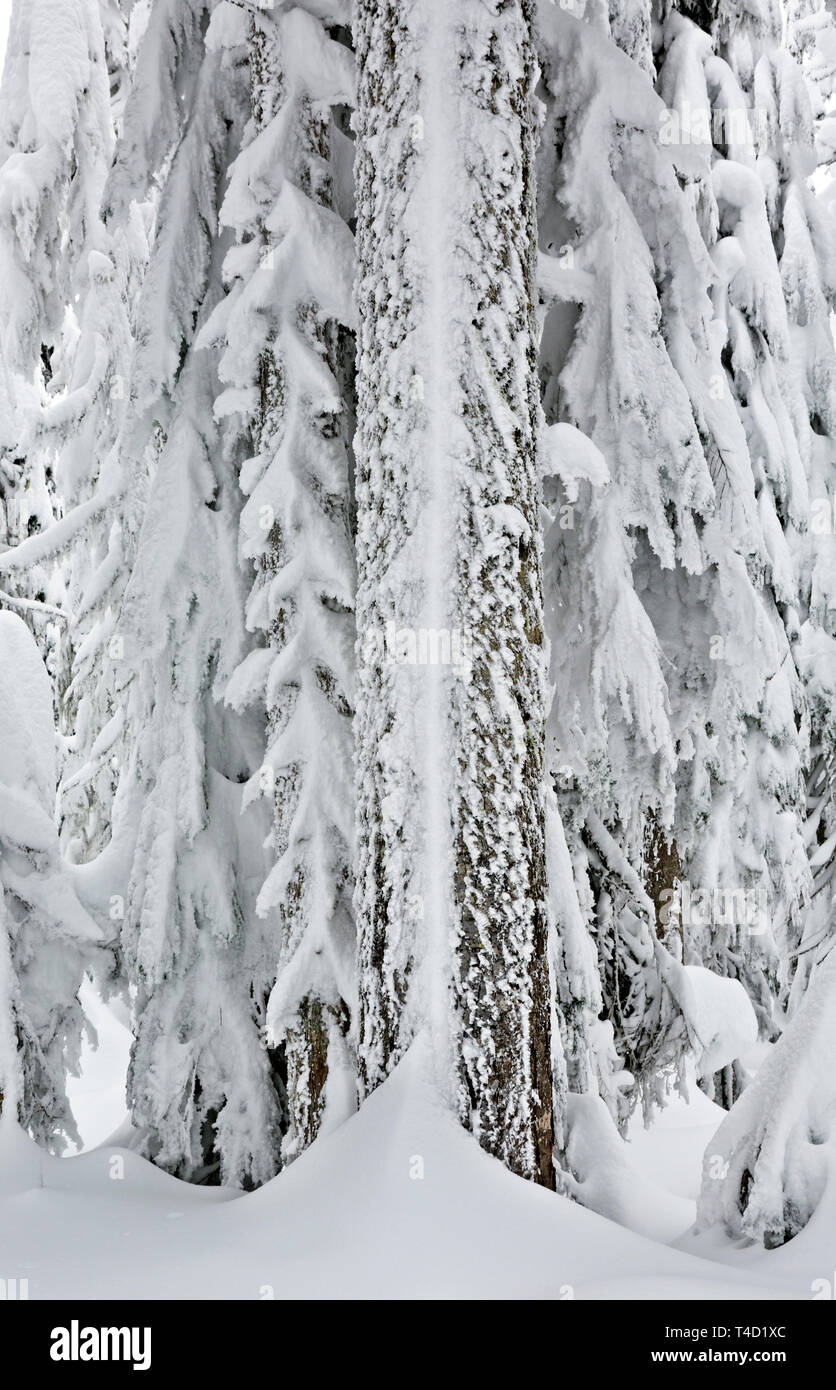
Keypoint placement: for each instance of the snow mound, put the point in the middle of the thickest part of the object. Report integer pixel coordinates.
(21, 1161)
(605, 1178)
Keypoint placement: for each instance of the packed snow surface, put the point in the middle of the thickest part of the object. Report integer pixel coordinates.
(399, 1202)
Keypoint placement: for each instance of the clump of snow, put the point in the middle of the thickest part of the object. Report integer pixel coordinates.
(571, 455)
(720, 1019)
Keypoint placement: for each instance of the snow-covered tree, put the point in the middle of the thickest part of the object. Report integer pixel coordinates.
(47, 939)
(55, 147)
(764, 1171)
(685, 276)
(451, 894)
(741, 118)
(627, 489)
(287, 364)
(67, 342)
(205, 1094)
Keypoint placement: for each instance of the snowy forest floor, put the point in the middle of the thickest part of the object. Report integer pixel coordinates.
(353, 1218)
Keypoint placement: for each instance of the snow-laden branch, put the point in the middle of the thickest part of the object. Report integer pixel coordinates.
(31, 605)
(35, 549)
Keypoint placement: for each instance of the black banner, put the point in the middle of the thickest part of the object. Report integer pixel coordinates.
(83, 1340)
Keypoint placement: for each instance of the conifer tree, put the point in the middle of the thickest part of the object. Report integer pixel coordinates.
(687, 782)
(205, 1094)
(287, 365)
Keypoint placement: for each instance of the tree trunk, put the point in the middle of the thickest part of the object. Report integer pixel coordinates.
(451, 690)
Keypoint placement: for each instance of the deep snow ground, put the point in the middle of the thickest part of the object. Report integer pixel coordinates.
(399, 1202)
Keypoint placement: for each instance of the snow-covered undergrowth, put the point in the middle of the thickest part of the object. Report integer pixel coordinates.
(398, 1202)
(776, 1146)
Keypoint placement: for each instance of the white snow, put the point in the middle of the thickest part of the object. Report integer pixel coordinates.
(27, 736)
(574, 458)
(5, 13)
(398, 1202)
(720, 1019)
(97, 1094)
(685, 299)
(778, 1140)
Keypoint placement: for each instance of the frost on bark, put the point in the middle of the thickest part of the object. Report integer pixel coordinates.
(389, 422)
(452, 903)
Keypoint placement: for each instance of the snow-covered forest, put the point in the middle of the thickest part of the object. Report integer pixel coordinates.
(418, 648)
